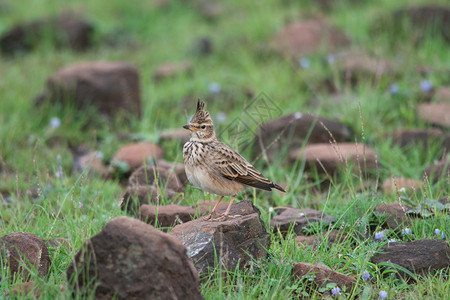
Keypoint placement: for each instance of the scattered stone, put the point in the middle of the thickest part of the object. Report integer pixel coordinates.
(396, 213)
(136, 196)
(298, 219)
(177, 168)
(232, 242)
(419, 257)
(294, 129)
(137, 153)
(170, 70)
(85, 160)
(66, 30)
(437, 171)
(393, 185)
(158, 176)
(442, 94)
(112, 87)
(23, 289)
(322, 276)
(25, 249)
(132, 260)
(328, 158)
(166, 215)
(331, 237)
(421, 137)
(309, 36)
(181, 135)
(437, 113)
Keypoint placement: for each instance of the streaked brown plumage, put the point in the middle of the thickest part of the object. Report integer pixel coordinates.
(215, 167)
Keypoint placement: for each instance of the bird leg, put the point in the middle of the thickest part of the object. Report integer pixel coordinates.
(225, 216)
(214, 209)
(229, 206)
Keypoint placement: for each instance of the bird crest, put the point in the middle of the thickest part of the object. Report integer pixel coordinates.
(201, 115)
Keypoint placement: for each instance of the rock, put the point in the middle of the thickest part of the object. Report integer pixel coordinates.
(421, 137)
(393, 185)
(181, 135)
(25, 248)
(328, 158)
(85, 160)
(309, 36)
(442, 95)
(235, 241)
(112, 87)
(143, 194)
(437, 113)
(294, 129)
(419, 257)
(177, 168)
(157, 176)
(66, 30)
(23, 289)
(331, 237)
(438, 171)
(396, 215)
(137, 153)
(298, 219)
(322, 276)
(201, 46)
(170, 70)
(166, 215)
(132, 260)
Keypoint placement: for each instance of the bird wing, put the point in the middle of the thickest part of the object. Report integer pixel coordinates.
(233, 166)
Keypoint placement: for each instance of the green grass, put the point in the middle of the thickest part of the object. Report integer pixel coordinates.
(147, 36)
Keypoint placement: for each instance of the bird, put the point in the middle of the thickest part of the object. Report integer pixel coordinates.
(215, 167)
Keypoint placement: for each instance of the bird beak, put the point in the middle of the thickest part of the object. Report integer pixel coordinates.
(189, 127)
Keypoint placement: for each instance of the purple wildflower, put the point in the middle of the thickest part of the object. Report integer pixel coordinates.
(336, 291)
(365, 275)
(426, 85)
(393, 89)
(305, 63)
(406, 231)
(214, 88)
(55, 122)
(392, 241)
(437, 231)
(379, 235)
(80, 204)
(382, 294)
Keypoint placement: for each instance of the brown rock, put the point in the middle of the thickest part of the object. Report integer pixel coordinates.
(421, 137)
(323, 275)
(23, 289)
(331, 237)
(136, 196)
(442, 94)
(298, 219)
(328, 158)
(392, 185)
(235, 241)
(85, 160)
(158, 176)
(177, 168)
(170, 70)
(305, 37)
(294, 129)
(137, 153)
(66, 30)
(25, 249)
(437, 113)
(181, 135)
(438, 171)
(112, 87)
(396, 214)
(132, 260)
(166, 215)
(419, 257)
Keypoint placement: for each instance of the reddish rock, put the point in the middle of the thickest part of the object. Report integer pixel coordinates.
(421, 137)
(166, 215)
(295, 129)
(66, 30)
(233, 242)
(136, 196)
(395, 213)
(442, 94)
(331, 237)
(157, 176)
(137, 153)
(328, 158)
(298, 219)
(438, 170)
(322, 276)
(85, 160)
(437, 113)
(310, 36)
(129, 259)
(170, 70)
(112, 87)
(25, 249)
(181, 135)
(419, 257)
(392, 185)
(177, 168)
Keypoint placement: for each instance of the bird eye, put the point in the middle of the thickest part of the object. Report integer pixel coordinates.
(203, 126)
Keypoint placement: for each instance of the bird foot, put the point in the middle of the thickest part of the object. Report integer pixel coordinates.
(220, 217)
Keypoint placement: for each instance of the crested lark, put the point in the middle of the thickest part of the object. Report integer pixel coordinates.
(215, 167)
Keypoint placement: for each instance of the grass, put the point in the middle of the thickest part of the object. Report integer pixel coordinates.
(145, 35)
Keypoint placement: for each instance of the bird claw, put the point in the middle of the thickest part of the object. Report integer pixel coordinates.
(220, 218)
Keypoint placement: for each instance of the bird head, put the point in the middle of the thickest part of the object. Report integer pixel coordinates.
(201, 124)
